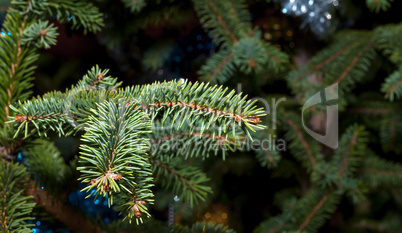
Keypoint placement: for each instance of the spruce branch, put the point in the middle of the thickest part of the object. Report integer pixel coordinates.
(214, 18)
(379, 172)
(370, 110)
(319, 61)
(378, 5)
(242, 47)
(276, 58)
(15, 207)
(239, 12)
(218, 68)
(114, 159)
(41, 34)
(81, 14)
(213, 107)
(353, 48)
(167, 16)
(186, 181)
(314, 208)
(389, 223)
(273, 225)
(352, 147)
(188, 141)
(20, 31)
(184, 103)
(249, 55)
(368, 51)
(386, 39)
(393, 85)
(96, 79)
(304, 150)
(267, 154)
(16, 62)
(61, 112)
(47, 167)
(135, 6)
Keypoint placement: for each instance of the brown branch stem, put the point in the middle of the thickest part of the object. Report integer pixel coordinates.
(303, 141)
(312, 213)
(222, 22)
(221, 65)
(62, 212)
(346, 159)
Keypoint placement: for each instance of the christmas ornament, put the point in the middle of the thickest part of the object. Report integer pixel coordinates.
(315, 14)
(171, 211)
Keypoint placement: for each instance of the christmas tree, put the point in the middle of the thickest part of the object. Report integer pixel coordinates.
(226, 116)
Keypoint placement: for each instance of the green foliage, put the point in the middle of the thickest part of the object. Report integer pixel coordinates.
(301, 145)
(47, 166)
(22, 30)
(80, 13)
(393, 85)
(96, 79)
(352, 148)
(218, 67)
(381, 116)
(266, 151)
(46, 112)
(386, 38)
(307, 214)
(276, 60)
(249, 55)
(345, 62)
(187, 142)
(346, 160)
(391, 222)
(206, 227)
(229, 25)
(212, 107)
(135, 6)
(22, 33)
(16, 61)
(379, 172)
(224, 28)
(314, 208)
(169, 15)
(378, 5)
(241, 45)
(41, 34)
(188, 182)
(274, 224)
(15, 206)
(114, 157)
